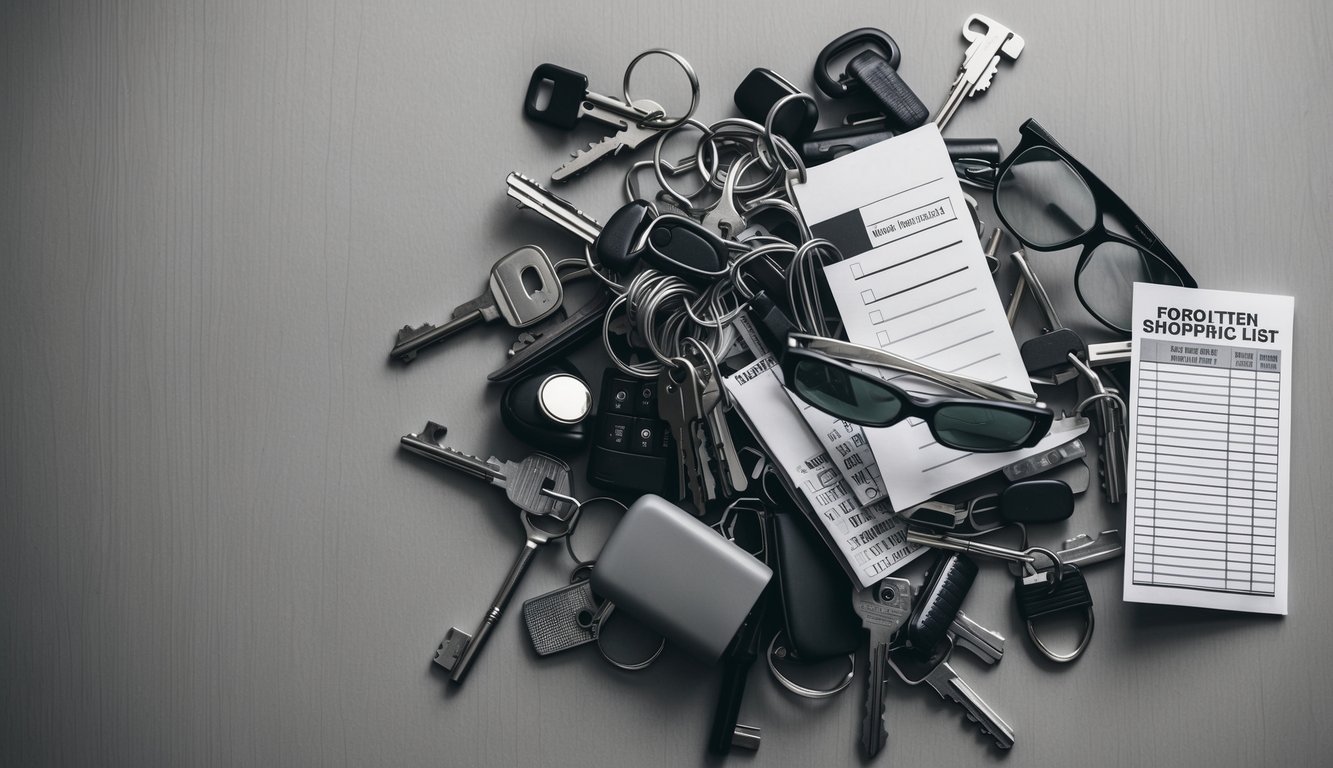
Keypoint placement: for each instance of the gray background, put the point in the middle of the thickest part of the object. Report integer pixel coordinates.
(213, 217)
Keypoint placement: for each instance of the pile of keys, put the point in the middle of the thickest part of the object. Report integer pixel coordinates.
(671, 275)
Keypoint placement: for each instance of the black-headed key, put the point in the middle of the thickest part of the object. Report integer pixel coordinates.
(1046, 357)
(937, 673)
(883, 609)
(524, 289)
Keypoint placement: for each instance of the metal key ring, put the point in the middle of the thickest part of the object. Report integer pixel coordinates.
(800, 690)
(705, 170)
(598, 620)
(1064, 658)
(665, 123)
(580, 563)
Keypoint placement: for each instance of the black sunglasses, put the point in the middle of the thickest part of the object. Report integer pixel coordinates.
(1050, 201)
(964, 423)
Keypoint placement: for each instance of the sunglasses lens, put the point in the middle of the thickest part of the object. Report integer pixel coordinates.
(854, 397)
(982, 429)
(1044, 200)
(1106, 280)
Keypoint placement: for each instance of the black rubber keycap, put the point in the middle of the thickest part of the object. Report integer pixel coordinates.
(1037, 501)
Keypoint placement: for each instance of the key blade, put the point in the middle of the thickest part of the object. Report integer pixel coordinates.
(585, 159)
(985, 644)
(529, 194)
(1084, 550)
(427, 443)
(874, 731)
(977, 710)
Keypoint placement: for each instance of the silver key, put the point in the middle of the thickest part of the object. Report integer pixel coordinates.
(883, 609)
(523, 481)
(980, 62)
(529, 194)
(730, 474)
(632, 131)
(507, 297)
(985, 644)
(1084, 550)
(946, 682)
(680, 404)
(458, 650)
(1111, 441)
(725, 216)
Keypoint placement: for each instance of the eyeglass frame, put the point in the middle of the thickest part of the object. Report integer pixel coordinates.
(921, 406)
(1106, 200)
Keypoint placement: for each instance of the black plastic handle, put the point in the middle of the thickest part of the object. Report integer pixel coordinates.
(568, 89)
(903, 109)
(838, 86)
(618, 246)
(947, 584)
(683, 247)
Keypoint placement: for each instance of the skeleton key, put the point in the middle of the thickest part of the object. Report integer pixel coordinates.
(680, 404)
(523, 481)
(459, 649)
(937, 673)
(979, 62)
(883, 609)
(507, 297)
(570, 101)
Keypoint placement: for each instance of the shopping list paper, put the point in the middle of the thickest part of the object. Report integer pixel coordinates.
(850, 448)
(869, 540)
(914, 281)
(1209, 456)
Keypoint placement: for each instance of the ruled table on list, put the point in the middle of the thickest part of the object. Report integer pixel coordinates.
(1207, 479)
(1209, 456)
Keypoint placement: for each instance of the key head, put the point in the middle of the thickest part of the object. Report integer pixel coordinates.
(567, 91)
(763, 88)
(526, 479)
(836, 87)
(1012, 45)
(526, 287)
(948, 581)
(884, 608)
(1050, 351)
(622, 239)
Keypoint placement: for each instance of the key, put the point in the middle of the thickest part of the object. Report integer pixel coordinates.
(883, 609)
(985, 644)
(937, 673)
(459, 649)
(1046, 357)
(680, 404)
(730, 474)
(522, 481)
(570, 101)
(1111, 441)
(1084, 550)
(508, 297)
(533, 350)
(725, 216)
(980, 62)
(616, 245)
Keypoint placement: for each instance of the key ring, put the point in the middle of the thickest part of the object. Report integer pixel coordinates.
(579, 563)
(665, 123)
(800, 690)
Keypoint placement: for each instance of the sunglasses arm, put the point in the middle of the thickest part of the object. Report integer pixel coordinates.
(857, 353)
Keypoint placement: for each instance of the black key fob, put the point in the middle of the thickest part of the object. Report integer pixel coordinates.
(1037, 501)
(816, 596)
(1051, 350)
(683, 247)
(548, 410)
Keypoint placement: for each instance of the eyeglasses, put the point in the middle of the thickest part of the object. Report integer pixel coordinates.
(1051, 201)
(969, 424)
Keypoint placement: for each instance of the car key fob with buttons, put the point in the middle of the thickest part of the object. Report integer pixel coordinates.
(632, 449)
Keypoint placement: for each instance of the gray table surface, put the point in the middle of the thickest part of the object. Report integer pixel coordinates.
(213, 217)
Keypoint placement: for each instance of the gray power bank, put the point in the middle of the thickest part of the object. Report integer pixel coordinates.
(678, 577)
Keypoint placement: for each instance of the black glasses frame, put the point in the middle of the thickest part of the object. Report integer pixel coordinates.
(1107, 201)
(924, 407)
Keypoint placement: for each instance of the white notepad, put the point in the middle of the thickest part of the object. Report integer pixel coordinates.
(914, 281)
(1209, 457)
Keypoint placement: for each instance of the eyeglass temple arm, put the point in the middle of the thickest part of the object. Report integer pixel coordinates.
(871, 356)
